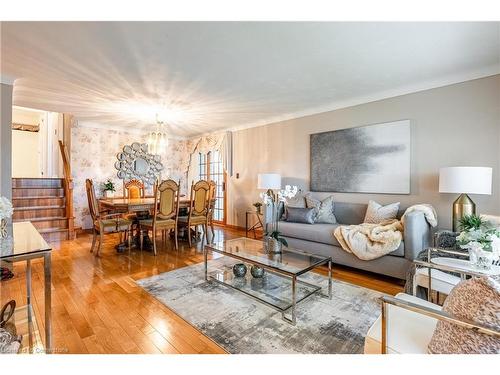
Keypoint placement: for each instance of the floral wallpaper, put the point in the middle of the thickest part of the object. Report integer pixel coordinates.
(93, 155)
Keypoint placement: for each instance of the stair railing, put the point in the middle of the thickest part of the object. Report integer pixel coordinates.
(68, 189)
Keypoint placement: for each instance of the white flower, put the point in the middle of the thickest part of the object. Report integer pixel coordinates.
(6, 209)
(495, 247)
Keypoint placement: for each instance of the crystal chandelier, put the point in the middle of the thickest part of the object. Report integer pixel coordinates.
(157, 140)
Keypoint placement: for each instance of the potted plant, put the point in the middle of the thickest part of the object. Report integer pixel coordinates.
(276, 200)
(6, 212)
(258, 207)
(109, 189)
(480, 239)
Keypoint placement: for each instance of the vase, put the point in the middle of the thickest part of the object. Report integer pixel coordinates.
(109, 194)
(272, 245)
(481, 259)
(3, 228)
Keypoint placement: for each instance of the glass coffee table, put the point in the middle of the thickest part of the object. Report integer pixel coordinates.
(280, 287)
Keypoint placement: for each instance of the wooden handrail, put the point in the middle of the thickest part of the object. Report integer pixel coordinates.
(68, 189)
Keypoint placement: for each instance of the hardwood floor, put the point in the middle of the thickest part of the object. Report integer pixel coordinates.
(98, 308)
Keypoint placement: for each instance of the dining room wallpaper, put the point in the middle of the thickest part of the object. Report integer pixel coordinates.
(93, 155)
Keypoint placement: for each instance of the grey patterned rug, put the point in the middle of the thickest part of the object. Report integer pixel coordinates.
(242, 325)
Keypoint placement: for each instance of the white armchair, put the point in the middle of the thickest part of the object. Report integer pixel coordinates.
(407, 324)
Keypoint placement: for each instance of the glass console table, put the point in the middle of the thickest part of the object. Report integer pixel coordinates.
(24, 243)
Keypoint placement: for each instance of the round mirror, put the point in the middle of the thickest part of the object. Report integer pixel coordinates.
(121, 156)
(127, 149)
(121, 175)
(136, 146)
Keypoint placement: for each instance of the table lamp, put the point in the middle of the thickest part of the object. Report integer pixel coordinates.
(463, 181)
(269, 181)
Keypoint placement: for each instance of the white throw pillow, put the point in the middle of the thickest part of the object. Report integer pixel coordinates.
(376, 213)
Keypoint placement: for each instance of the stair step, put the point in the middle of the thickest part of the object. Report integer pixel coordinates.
(38, 202)
(47, 222)
(30, 214)
(34, 183)
(34, 208)
(37, 192)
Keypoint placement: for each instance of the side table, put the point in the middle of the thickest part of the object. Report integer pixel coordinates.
(254, 227)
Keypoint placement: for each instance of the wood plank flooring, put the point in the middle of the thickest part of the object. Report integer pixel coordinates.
(98, 308)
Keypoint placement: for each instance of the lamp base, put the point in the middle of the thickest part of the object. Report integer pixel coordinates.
(461, 207)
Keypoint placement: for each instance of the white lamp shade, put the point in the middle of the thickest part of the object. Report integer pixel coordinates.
(267, 181)
(469, 180)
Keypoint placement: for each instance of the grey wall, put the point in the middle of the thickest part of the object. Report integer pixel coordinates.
(6, 140)
(451, 126)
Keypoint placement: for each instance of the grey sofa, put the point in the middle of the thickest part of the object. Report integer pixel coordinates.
(319, 239)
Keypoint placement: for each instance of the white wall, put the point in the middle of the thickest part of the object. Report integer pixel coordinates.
(6, 140)
(25, 154)
(451, 126)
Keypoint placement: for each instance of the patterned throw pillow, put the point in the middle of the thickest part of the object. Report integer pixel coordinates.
(323, 209)
(478, 300)
(376, 213)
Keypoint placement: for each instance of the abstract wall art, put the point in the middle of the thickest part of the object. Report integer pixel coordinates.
(366, 159)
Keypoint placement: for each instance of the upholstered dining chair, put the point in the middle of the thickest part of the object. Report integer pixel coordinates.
(104, 223)
(133, 189)
(165, 212)
(198, 210)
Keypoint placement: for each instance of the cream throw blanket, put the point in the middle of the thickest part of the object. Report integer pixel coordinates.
(371, 241)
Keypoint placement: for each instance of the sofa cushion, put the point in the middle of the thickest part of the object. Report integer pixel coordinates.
(409, 332)
(300, 215)
(376, 213)
(322, 233)
(323, 208)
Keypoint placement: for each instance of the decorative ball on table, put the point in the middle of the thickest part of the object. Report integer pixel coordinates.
(257, 272)
(239, 270)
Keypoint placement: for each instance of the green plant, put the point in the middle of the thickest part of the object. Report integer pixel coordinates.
(276, 236)
(471, 222)
(108, 186)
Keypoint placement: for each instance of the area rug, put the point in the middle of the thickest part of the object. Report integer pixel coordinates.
(242, 325)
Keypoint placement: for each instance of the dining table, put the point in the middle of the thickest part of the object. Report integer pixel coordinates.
(137, 205)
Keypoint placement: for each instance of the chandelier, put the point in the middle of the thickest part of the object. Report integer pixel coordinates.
(157, 139)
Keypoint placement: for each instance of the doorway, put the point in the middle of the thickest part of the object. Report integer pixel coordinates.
(211, 167)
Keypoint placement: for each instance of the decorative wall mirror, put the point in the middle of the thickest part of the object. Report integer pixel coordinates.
(135, 162)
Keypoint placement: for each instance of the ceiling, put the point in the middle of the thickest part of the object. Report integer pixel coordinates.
(208, 76)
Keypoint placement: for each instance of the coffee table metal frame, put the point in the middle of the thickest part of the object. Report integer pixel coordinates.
(293, 276)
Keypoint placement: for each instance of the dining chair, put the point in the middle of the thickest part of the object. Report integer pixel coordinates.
(165, 212)
(104, 223)
(198, 208)
(133, 189)
(211, 207)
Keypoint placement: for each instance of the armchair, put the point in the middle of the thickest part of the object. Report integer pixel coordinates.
(407, 324)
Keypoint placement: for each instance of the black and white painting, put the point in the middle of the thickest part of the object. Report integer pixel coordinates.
(367, 159)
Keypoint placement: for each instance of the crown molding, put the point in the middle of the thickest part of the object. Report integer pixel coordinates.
(406, 90)
(7, 80)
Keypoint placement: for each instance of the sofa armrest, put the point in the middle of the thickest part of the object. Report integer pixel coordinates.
(417, 234)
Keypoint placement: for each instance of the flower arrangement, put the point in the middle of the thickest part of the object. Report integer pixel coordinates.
(6, 209)
(276, 201)
(482, 240)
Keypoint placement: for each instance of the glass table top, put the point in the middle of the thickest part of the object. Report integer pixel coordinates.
(22, 239)
(290, 260)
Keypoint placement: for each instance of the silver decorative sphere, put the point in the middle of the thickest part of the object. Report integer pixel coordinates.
(239, 270)
(257, 272)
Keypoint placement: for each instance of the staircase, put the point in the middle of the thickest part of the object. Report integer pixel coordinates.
(43, 201)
